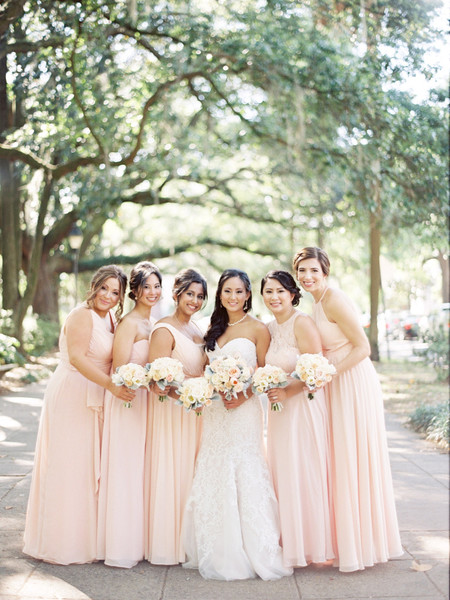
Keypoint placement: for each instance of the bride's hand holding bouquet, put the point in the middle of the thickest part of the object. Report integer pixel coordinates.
(229, 375)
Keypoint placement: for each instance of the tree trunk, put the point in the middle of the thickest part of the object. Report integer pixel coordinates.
(9, 209)
(443, 262)
(46, 301)
(375, 271)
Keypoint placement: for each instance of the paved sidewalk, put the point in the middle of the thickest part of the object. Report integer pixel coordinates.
(421, 487)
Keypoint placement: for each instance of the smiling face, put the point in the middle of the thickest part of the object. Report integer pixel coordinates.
(107, 296)
(191, 300)
(311, 276)
(277, 298)
(150, 291)
(234, 294)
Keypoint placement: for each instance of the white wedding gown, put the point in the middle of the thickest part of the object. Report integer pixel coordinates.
(231, 528)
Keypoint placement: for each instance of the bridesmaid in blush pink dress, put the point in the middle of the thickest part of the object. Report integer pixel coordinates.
(363, 496)
(121, 495)
(61, 521)
(173, 435)
(297, 436)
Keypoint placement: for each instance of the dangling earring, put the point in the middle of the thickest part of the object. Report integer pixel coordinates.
(245, 306)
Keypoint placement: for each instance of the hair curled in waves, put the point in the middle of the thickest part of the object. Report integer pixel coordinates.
(139, 275)
(98, 280)
(312, 252)
(183, 280)
(219, 317)
(285, 279)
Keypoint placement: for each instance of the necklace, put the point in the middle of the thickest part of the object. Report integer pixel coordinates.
(236, 322)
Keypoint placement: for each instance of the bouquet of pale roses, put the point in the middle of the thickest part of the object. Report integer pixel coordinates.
(268, 377)
(314, 370)
(195, 393)
(166, 371)
(229, 374)
(131, 376)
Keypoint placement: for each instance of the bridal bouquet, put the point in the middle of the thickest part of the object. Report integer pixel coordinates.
(229, 374)
(195, 393)
(131, 376)
(166, 371)
(314, 370)
(268, 377)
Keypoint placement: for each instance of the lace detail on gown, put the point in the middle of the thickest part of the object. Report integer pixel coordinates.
(231, 528)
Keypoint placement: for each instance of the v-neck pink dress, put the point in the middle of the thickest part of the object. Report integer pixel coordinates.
(365, 515)
(298, 456)
(61, 521)
(173, 439)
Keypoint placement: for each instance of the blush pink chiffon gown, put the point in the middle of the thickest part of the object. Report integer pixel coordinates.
(173, 439)
(298, 456)
(121, 495)
(364, 506)
(61, 521)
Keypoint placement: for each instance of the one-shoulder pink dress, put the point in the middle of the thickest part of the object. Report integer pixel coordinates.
(61, 521)
(298, 456)
(364, 506)
(121, 496)
(173, 439)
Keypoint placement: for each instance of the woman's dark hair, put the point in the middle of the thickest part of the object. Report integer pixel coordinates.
(139, 275)
(219, 317)
(287, 281)
(183, 280)
(98, 280)
(312, 252)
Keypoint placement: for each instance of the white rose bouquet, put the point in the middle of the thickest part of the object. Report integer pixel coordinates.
(131, 376)
(229, 374)
(268, 377)
(314, 370)
(166, 371)
(195, 393)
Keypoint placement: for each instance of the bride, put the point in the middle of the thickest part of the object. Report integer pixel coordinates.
(231, 528)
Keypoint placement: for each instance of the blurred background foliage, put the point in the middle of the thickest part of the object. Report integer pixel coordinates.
(222, 133)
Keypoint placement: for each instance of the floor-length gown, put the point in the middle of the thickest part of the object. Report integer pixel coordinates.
(61, 522)
(173, 440)
(298, 456)
(364, 507)
(121, 494)
(231, 528)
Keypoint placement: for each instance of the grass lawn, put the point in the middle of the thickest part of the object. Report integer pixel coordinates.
(409, 385)
(406, 385)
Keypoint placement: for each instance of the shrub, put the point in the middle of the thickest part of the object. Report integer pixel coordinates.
(42, 337)
(437, 353)
(9, 350)
(433, 421)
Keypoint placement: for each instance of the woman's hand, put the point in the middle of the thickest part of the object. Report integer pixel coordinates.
(277, 395)
(122, 392)
(154, 387)
(234, 402)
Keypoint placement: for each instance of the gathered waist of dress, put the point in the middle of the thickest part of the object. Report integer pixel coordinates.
(338, 352)
(102, 365)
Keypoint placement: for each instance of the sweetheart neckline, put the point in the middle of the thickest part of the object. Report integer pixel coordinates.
(232, 340)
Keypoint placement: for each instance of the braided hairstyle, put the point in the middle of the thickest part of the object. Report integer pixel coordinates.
(219, 317)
